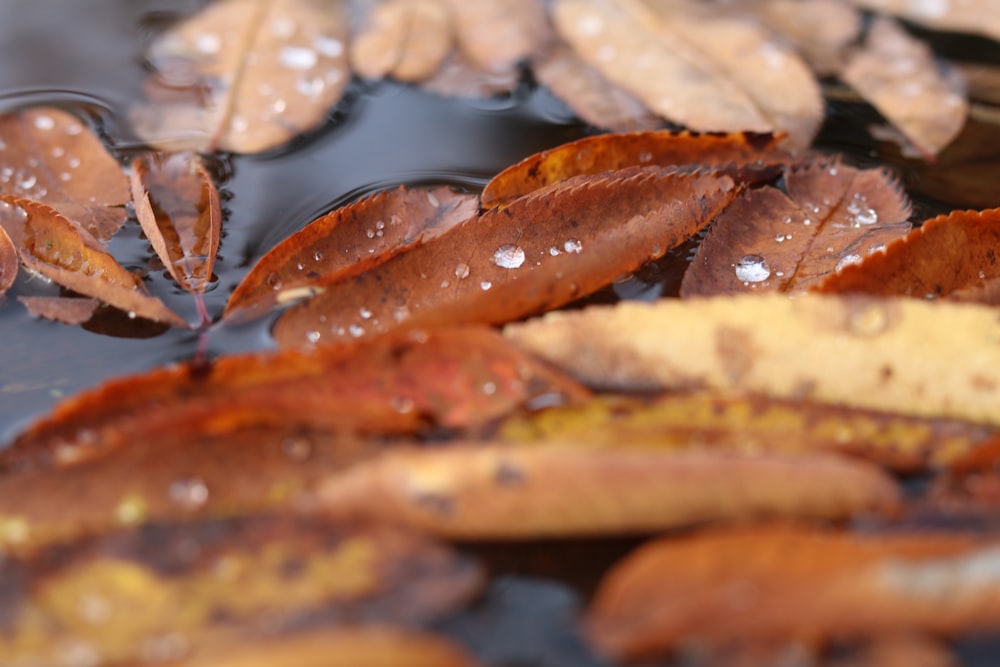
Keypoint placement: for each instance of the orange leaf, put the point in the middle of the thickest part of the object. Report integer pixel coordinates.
(178, 207)
(348, 241)
(744, 156)
(833, 215)
(541, 252)
(505, 492)
(796, 583)
(8, 261)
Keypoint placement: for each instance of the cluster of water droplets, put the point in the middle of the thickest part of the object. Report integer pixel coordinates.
(861, 214)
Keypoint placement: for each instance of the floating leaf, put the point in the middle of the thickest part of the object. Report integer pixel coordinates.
(124, 594)
(898, 75)
(832, 216)
(821, 30)
(8, 262)
(696, 65)
(452, 378)
(896, 355)
(68, 310)
(951, 252)
(541, 252)
(975, 16)
(245, 75)
(769, 583)
(503, 492)
(349, 241)
(405, 39)
(494, 35)
(744, 156)
(54, 246)
(178, 207)
(50, 156)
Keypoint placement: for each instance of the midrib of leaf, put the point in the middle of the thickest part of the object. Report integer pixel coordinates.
(820, 228)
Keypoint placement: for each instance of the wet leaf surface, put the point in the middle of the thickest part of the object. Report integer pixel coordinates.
(406, 39)
(120, 595)
(8, 262)
(503, 492)
(821, 30)
(178, 207)
(68, 310)
(970, 16)
(830, 216)
(494, 35)
(541, 252)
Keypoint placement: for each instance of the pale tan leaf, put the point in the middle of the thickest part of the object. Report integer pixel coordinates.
(59, 308)
(496, 34)
(458, 77)
(975, 16)
(898, 355)
(922, 98)
(821, 30)
(405, 39)
(256, 74)
(696, 65)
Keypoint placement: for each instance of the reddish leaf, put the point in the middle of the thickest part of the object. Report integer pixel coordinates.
(8, 261)
(833, 215)
(540, 252)
(54, 246)
(505, 492)
(794, 583)
(348, 241)
(451, 378)
(59, 308)
(742, 155)
(952, 252)
(178, 207)
(50, 156)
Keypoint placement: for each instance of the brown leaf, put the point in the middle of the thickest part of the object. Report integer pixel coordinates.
(68, 310)
(50, 156)
(178, 207)
(348, 241)
(54, 246)
(768, 241)
(897, 73)
(743, 156)
(540, 252)
(895, 355)
(494, 35)
(505, 492)
(458, 77)
(822, 30)
(123, 595)
(696, 64)
(8, 262)
(245, 75)
(793, 582)
(451, 378)
(952, 252)
(975, 16)
(404, 39)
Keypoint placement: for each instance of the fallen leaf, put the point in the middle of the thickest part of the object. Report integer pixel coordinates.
(975, 16)
(405, 39)
(458, 77)
(505, 492)
(122, 594)
(540, 252)
(821, 30)
(495, 35)
(68, 310)
(245, 75)
(791, 582)
(895, 355)
(50, 156)
(453, 378)
(8, 262)
(178, 207)
(744, 156)
(348, 241)
(833, 215)
(59, 249)
(897, 73)
(957, 251)
(749, 424)
(696, 64)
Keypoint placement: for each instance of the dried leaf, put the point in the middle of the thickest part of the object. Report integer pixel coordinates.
(896, 355)
(8, 262)
(54, 246)
(541, 252)
(450, 378)
(796, 583)
(404, 39)
(458, 77)
(178, 207)
(494, 35)
(245, 75)
(48, 155)
(123, 595)
(743, 156)
(948, 253)
(502, 492)
(696, 64)
(821, 30)
(68, 310)
(348, 241)
(975, 16)
(897, 73)
(767, 241)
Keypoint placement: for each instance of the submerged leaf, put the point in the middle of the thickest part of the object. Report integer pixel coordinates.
(8, 261)
(540, 252)
(68, 310)
(178, 207)
(504, 492)
(768, 241)
(50, 156)
(405, 39)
